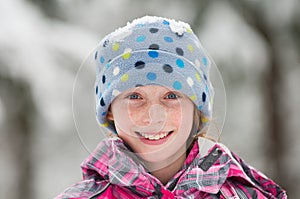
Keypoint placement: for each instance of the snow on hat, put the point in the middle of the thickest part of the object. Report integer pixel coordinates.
(152, 51)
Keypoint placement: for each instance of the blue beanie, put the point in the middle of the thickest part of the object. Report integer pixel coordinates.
(152, 51)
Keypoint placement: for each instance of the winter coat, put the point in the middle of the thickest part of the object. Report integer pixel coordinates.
(210, 171)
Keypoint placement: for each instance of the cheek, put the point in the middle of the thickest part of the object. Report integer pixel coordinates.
(184, 117)
(126, 116)
(182, 114)
(134, 114)
(122, 134)
(175, 116)
(121, 116)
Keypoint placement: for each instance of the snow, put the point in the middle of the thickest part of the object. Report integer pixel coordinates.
(177, 27)
(46, 53)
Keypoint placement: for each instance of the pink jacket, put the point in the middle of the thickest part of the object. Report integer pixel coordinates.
(112, 171)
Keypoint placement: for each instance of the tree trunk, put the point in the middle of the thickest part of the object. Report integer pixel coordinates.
(271, 84)
(18, 123)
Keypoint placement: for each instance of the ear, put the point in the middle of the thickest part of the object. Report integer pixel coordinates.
(109, 114)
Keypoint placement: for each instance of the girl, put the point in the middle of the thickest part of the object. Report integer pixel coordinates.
(153, 91)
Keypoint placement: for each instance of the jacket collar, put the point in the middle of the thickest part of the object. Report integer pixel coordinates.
(115, 163)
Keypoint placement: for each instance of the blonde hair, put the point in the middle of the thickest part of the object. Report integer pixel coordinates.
(199, 129)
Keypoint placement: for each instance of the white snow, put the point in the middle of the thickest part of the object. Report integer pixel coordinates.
(177, 27)
(45, 53)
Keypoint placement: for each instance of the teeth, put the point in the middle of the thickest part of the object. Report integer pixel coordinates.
(154, 137)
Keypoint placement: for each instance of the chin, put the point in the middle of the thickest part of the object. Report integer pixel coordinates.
(163, 156)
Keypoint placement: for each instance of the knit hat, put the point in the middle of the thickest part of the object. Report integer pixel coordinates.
(152, 51)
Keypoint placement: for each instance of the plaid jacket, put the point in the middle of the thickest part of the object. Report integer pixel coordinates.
(112, 171)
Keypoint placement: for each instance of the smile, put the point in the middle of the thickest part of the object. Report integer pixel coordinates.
(156, 136)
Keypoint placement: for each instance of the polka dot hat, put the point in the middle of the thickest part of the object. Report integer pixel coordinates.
(152, 51)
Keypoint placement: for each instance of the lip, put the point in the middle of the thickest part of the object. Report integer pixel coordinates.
(155, 142)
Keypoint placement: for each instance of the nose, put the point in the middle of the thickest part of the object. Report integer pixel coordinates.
(155, 115)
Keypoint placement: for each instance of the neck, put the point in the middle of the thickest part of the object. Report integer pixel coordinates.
(168, 170)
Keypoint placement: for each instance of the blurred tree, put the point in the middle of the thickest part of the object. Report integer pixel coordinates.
(49, 7)
(273, 81)
(19, 117)
(17, 98)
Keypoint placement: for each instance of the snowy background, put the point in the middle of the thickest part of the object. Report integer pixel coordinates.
(47, 123)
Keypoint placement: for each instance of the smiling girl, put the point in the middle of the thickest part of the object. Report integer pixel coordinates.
(154, 93)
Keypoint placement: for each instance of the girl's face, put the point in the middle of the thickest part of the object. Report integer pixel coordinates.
(153, 120)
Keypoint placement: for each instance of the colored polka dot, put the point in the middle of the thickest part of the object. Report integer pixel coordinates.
(102, 102)
(139, 65)
(153, 54)
(179, 35)
(108, 85)
(107, 65)
(141, 38)
(190, 48)
(138, 85)
(209, 106)
(103, 79)
(116, 71)
(204, 61)
(204, 119)
(190, 81)
(165, 22)
(127, 53)
(168, 39)
(154, 47)
(198, 77)
(104, 124)
(179, 51)
(102, 60)
(203, 97)
(103, 113)
(167, 68)
(180, 63)
(140, 25)
(105, 43)
(197, 63)
(189, 30)
(200, 107)
(124, 77)
(116, 46)
(96, 90)
(205, 77)
(96, 55)
(115, 92)
(151, 76)
(193, 97)
(177, 85)
(153, 30)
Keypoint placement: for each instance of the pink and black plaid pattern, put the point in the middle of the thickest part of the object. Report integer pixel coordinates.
(113, 171)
